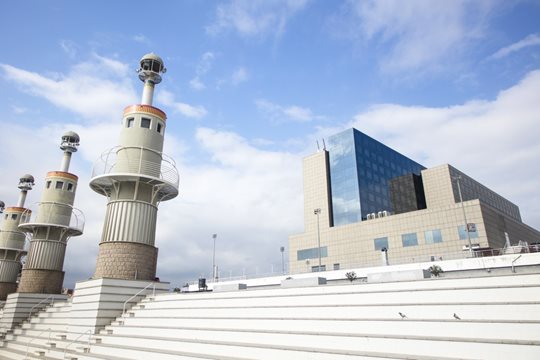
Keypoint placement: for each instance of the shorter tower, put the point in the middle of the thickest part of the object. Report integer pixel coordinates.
(12, 240)
(55, 222)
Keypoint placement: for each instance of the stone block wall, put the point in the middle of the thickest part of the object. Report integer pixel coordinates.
(126, 260)
(6, 289)
(39, 281)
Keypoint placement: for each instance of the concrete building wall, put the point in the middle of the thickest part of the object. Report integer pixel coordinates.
(316, 191)
(353, 245)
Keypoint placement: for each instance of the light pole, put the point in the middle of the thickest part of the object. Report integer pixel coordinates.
(464, 216)
(214, 272)
(317, 212)
(282, 249)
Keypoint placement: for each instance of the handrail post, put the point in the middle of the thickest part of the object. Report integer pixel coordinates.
(30, 341)
(128, 300)
(89, 331)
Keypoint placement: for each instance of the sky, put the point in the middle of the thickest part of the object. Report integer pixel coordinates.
(249, 89)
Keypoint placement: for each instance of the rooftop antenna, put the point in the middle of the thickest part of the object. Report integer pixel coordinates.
(324, 144)
(318, 147)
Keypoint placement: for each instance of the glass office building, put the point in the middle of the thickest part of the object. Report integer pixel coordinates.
(361, 171)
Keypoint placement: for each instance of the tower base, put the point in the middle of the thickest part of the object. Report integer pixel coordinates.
(19, 307)
(39, 281)
(98, 302)
(126, 260)
(7, 288)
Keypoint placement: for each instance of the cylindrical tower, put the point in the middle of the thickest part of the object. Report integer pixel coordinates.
(55, 222)
(12, 240)
(135, 176)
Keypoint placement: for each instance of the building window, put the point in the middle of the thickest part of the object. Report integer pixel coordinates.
(59, 185)
(159, 127)
(316, 268)
(433, 236)
(336, 266)
(145, 123)
(381, 243)
(70, 187)
(130, 122)
(48, 184)
(409, 239)
(13, 216)
(473, 232)
(312, 253)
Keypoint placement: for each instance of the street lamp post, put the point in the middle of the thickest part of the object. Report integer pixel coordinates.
(317, 212)
(214, 236)
(282, 249)
(464, 216)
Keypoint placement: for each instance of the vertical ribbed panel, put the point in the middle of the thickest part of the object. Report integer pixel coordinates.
(9, 269)
(46, 255)
(130, 221)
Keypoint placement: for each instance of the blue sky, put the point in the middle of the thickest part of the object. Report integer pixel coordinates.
(250, 87)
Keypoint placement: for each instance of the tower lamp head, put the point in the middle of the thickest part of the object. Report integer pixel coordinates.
(151, 66)
(70, 141)
(26, 182)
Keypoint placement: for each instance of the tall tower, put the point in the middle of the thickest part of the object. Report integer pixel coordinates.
(12, 240)
(135, 177)
(55, 222)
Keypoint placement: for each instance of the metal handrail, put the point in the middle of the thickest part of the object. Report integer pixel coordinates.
(39, 303)
(75, 220)
(165, 170)
(30, 341)
(146, 287)
(513, 261)
(77, 338)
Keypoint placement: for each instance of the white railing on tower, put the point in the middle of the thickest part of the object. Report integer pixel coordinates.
(54, 213)
(108, 163)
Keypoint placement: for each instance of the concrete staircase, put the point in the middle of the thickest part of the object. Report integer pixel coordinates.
(496, 317)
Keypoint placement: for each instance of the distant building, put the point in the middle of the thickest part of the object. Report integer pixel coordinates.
(373, 198)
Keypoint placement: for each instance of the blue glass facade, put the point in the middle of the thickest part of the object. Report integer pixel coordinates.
(360, 172)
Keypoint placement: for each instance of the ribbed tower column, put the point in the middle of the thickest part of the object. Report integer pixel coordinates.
(56, 221)
(135, 177)
(12, 240)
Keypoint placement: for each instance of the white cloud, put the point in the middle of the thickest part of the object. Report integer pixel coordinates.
(530, 40)
(204, 66)
(414, 34)
(240, 196)
(84, 90)
(255, 17)
(495, 142)
(280, 113)
(140, 38)
(18, 109)
(240, 75)
(197, 84)
(167, 98)
(69, 47)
